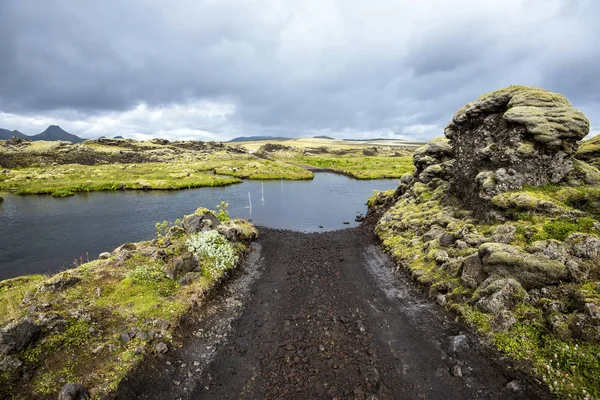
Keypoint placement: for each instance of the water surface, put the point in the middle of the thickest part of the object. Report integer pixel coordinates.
(41, 234)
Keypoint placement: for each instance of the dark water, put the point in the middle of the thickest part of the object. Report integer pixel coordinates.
(40, 234)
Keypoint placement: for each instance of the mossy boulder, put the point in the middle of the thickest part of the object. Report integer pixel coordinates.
(531, 271)
(510, 138)
(522, 201)
(238, 230)
(589, 151)
(497, 294)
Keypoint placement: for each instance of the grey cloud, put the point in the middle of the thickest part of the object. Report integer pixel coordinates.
(293, 67)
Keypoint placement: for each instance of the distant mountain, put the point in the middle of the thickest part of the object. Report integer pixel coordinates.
(323, 137)
(52, 133)
(118, 137)
(5, 134)
(255, 138)
(55, 132)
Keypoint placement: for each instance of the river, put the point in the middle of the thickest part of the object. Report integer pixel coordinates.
(42, 234)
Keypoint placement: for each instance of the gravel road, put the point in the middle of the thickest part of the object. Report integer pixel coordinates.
(323, 316)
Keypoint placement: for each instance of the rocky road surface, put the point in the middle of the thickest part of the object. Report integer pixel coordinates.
(323, 316)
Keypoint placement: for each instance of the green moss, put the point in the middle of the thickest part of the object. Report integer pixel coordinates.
(560, 229)
(375, 167)
(547, 116)
(62, 193)
(64, 180)
(12, 292)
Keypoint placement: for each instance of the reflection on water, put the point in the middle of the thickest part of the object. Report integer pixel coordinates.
(42, 234)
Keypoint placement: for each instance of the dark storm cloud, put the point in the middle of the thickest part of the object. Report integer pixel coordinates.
(297, 67)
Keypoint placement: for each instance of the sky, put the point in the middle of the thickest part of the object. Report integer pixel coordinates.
(218, 69)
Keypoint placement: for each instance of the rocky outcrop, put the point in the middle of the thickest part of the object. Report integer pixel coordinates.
(202, 219)
(480, 226)
(503, 141)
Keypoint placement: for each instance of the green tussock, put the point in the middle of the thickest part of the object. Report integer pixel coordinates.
(363, 167)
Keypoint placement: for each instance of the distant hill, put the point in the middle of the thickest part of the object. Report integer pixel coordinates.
(367, 140)
(55, 132)
(52, 133)
(323, 137)
(256, 138)
(118, 137)
(5, 134)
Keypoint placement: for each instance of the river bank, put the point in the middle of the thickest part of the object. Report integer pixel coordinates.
(92, 324)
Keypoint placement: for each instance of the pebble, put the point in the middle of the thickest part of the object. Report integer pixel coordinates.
(456, 371)
(515, 386)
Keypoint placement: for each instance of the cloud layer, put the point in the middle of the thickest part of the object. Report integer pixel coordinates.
(216, 69)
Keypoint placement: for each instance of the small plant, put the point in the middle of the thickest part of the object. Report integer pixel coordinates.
(223, 214)
(162, 227)
(145, 274)
(215, 249)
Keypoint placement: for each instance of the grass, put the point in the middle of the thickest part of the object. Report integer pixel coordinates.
(362, 167)
(112, 297)
(64, 180)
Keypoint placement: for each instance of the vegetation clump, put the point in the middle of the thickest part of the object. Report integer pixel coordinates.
(93, 324)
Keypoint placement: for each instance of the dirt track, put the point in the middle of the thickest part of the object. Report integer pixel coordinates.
(323, 316)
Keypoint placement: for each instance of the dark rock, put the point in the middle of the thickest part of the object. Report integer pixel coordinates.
(202, 220)
(514, 386)
(161, 348)
(503, 321)
(472, 274)
(125, 247)
(59, 283)
(456, 371)
(73, 391)
(552, 249)
(458, 343)
(180, 265)
(238, 230)
(19, 335)
(9, 363)
(447, 239)
(499, 294)
(189, 278)
(125, 337)
(504, 234)
(584, 246)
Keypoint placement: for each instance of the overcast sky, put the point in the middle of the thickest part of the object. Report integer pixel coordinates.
(216, 69)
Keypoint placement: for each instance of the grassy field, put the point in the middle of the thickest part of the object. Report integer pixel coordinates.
(362, 167)
(65, 180)
(62, 169)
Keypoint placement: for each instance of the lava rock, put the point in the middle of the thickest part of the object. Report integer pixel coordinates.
(73, 391)
(19, 335)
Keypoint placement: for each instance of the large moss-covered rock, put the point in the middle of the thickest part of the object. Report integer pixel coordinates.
(589, 151)
(510, 138)
(530, 270)
(496, 295)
